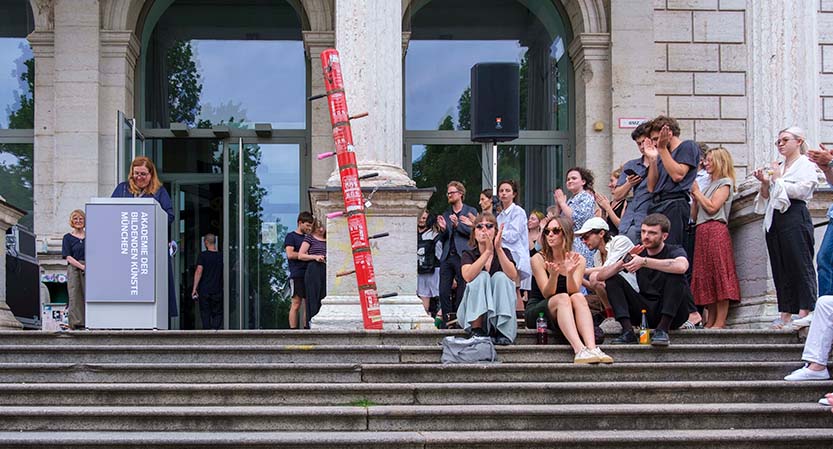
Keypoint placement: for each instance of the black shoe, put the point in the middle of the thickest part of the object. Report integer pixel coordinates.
(478, 332)
(627, 338)
(502, 340)
(660, 338)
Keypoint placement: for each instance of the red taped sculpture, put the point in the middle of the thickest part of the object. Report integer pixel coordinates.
(354, 207)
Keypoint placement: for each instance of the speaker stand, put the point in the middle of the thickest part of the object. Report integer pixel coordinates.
(494, 167)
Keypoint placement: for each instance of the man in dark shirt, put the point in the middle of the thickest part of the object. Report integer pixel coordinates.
(208, 284)
(633, 177)
(454, 235)
(663, 291)
(297, 268)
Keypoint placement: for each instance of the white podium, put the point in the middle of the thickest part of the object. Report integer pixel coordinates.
(127, 264)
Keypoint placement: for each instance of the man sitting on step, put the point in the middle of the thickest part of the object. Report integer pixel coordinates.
(663, 291)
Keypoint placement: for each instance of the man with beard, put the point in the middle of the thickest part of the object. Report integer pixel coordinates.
(663, 292)
(454, 235)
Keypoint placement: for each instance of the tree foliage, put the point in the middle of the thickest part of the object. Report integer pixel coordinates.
(17, 159)
(184, 86)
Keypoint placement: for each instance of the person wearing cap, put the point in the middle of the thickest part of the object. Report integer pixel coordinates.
(595, 233)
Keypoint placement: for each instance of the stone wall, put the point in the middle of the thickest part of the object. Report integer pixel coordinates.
(700, 57)
(825, 30)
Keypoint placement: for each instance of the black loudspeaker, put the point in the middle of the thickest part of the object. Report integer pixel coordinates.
(495, 101)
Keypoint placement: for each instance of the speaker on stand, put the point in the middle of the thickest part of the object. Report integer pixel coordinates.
(495, 106)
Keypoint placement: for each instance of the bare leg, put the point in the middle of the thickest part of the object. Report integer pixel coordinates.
(584, 319)
(803, 312)
(561, 308)
(711, 315)
(426, 302)
(293, 312)
(721, 312)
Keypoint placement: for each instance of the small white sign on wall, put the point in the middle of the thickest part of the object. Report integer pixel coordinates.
(629, 123)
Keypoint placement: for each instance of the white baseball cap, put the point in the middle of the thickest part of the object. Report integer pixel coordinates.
(593, 224)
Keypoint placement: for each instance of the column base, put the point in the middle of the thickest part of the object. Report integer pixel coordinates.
(398, 313)
(395, 211)
(7, 319)
(389, 175)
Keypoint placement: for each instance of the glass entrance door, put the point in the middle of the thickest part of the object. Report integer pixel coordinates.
(264, 199)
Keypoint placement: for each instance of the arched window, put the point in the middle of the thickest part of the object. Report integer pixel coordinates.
(447, 39)
(235, 75)
(17, 107)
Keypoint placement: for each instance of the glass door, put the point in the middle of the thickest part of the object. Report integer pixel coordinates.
(264, 199)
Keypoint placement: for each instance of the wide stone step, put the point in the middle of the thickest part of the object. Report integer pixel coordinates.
(565, 417)
(315, 337)
(505, 393)
(184, 373)
(379, 354)
(759, 438)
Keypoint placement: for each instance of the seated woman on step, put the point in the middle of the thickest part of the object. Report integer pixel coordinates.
(488, 304)
(556, 291)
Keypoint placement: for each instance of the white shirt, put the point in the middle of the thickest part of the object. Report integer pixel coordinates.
(516, 237)
(616, 249)
(797, 183)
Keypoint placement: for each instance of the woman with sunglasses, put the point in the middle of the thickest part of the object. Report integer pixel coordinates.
(786, 186)
(488, 304)
(556, 292)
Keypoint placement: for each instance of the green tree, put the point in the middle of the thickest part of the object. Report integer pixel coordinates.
(184, 86)
(17, 159)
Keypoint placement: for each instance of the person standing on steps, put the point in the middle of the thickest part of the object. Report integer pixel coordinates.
(314, 252)
(454, 235)
(297, 268)
(72, 249)
(208, 284)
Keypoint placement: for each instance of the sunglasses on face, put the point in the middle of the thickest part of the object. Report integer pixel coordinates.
(587, 235)
(484, 225)
(554, 231)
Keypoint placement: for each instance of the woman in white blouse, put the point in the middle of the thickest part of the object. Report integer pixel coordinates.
(515, 234)
(786, 186)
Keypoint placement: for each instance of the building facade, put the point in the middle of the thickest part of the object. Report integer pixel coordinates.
(215, 92)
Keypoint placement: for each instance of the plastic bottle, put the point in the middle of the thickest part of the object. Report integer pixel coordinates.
(644, 332)
(541, 327)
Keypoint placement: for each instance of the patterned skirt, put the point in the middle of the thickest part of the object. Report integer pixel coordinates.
(714, 277)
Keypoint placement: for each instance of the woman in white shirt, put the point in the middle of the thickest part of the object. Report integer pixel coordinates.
(513, 219)
(786, 186)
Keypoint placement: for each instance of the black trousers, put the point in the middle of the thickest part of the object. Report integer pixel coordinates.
(211, 311)
(315, 282)
(791, 244)
(678, 212)
(628, 303)
(450, 269)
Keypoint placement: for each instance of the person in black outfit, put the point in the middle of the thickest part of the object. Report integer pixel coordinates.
(663, 291)
(297, 269)
(208, 284)
(454, 235)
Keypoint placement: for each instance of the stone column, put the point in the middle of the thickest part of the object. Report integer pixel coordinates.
(632, 82)
(783, 80)
(321, 130)
(590, 53)
(9, 216)
(369, 41)
(782, 85)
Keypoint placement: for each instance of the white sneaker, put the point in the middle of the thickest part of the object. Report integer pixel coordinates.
(806, 373)
(603, 358)
(611, 326)
(585, 356)
(803, 322)
(823, 401)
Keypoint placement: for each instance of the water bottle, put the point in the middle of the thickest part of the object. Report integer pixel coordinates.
(644, 332)
(541, 327)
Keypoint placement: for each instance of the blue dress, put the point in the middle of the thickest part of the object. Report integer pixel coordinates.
(161, 196)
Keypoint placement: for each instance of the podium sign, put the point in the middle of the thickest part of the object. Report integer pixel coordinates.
(126, 251)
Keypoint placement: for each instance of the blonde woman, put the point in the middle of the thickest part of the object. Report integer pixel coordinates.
(72, 250)
(612, 211)
(714, 281)
(556, 292)
(786, 186)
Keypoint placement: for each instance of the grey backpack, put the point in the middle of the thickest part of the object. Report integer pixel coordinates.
(468, 350)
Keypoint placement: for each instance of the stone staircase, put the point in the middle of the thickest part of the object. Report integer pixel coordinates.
(284, 389)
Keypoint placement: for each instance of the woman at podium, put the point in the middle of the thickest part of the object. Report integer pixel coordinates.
(143, 182)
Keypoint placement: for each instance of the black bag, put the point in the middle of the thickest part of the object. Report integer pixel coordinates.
(426, 253)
